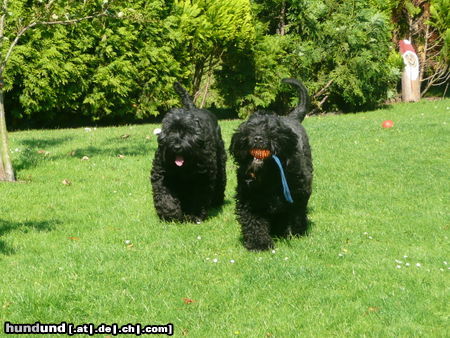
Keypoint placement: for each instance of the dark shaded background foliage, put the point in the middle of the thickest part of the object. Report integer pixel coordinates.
(231, 55)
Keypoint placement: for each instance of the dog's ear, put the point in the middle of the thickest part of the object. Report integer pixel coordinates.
(238, 147)
(161, 136)
(286, 140)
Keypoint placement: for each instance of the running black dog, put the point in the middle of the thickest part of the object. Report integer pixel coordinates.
(274, 174)
(188, 174)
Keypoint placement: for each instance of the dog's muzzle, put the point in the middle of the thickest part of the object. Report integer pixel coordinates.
(259, 155)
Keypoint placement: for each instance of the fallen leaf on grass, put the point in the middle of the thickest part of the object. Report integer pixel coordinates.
(373, 309)
(125, 136)
(43, 152)
(74, 238)
(7, 305)
(85, 158)
(121, 156)
(66, 182)
(188, 301)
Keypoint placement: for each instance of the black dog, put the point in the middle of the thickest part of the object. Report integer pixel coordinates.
(188, 174)
(274, 174)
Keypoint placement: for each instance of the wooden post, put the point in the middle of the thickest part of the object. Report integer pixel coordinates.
(410, 76)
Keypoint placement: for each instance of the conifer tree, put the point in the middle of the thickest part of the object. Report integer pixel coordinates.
(16, 19)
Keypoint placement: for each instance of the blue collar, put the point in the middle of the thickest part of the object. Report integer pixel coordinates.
(286, 191)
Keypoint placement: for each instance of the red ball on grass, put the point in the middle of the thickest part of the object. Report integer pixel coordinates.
(387, 124)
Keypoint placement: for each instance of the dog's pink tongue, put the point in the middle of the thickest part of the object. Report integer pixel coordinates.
(179, 161)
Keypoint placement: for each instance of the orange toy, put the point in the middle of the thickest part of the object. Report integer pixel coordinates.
(260, 154)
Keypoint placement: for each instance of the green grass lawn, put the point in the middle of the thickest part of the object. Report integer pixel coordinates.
(92, 250)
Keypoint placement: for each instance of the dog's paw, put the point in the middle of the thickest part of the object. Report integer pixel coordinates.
(197, 219)
(261, 244)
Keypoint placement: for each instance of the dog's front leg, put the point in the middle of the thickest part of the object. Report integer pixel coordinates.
(255, 229)
(197, 203)
(298, 221)
(168, 206)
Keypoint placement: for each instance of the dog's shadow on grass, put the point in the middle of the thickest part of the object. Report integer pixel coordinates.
(286, 240)
(7, 226)
(214, 212)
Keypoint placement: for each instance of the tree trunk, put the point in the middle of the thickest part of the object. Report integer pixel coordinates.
(197, 81)
(205, 93)
(281, 30)
(6, 168)
(423, 55)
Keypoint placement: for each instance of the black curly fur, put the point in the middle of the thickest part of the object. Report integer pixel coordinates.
(185, 192)
(302, 108)
(261, 207)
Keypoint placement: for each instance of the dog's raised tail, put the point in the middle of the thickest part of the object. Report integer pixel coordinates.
(186, 99)
(302, 108)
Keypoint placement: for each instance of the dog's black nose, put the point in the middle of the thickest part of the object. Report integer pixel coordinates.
(258, 139)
